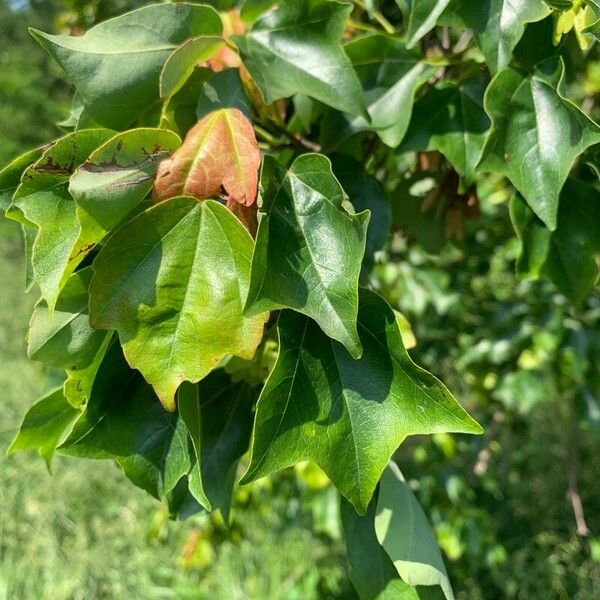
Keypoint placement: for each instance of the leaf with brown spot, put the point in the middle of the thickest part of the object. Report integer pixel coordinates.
(220, 154)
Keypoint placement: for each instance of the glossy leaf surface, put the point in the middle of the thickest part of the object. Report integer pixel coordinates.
(536, 135)
(124, 420)
(496, 24)
(296, 49)
(116, 64)
(309, 249)
(172, 282)
(347, 415)
(390, 75)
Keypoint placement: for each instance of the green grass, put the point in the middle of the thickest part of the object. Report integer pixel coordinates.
(85, 532)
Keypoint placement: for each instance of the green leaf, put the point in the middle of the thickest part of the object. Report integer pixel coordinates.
(309, 249)
(223, 90)
(404, 533)
(65, 338)
(450, 118)
(226, 414)
(179, 111)
(371, 570)
(117, 177)
(349, 416)
(124, 420)
(44, 424)
(365, 192)
(497, 25)
(390, 75)
(188, 406)
(295, 49)
(10, 175)
(252, 9)
(568, 256)
(116, 64)
(536, 135)
(422, 18)
(172, 282)
(180, 65)
(78, 384)
(42, 200)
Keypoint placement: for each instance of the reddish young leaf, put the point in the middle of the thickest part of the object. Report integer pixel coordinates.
(219, 157)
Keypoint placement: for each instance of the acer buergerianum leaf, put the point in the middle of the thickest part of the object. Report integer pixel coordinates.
(308, 249)
(10, 175)
(390, 75)
(225, 413)
(44, 425)
(536, 134)
(181, 63)
(172, 282)
(497, 25)
(450, 118)
(422, 18)
(365, 193)
(42, 201)
(347, 415)
(296, 50)
(116, 177)
(404, 533)
(219, 154)
(123, 420)
(372, 571)
(569, 255)
(65, 339)
(116, 65)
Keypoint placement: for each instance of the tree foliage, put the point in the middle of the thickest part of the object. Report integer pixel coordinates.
(230, 178)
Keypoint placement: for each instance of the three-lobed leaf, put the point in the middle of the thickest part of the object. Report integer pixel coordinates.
(497, 25)
(390, 75)
(116, 65)
(296, 49)
(347, 415)
(308, 249)
(536, 135)
(172, 282)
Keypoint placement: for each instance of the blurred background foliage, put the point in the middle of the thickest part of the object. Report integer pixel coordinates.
(516, 511)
